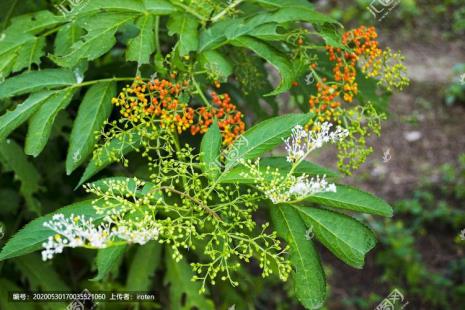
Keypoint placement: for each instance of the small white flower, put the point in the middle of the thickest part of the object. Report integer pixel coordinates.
(304, 186)
(302, 142)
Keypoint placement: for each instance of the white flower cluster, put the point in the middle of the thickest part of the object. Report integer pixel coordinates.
(295, 188)
(78, 231)
(281, 188)
(305, 186)
(302, 142)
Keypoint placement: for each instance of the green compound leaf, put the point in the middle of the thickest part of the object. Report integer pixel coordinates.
(353, 199)
(142, 46)
(308, 276)
(23, 111)
(179, 275)
(93, 112)
(273, 57)
(36, 80)
(210, 151)
(40, 124)
(108, 259)
(112, 151)
(185, 26)
(239, 173)
(13, 159)
(144, 264)
(100, 38)
(31, 237)
(263, 137)
(344, 236)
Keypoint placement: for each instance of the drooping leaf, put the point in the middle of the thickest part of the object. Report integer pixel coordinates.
(239, 173)
(344, 236)
(185, 26)
(308, 276)
(179, 275)
(13, 159)
(263, 137)
(350, 198)
(210, 151)
(141, 47)
(40, 124)
(144, 264)
(107, 259)
(36, 80)
(273, 57)
(31, 237)
(40, 275)
(23, 111)
(229, 30)
(93, 112)
(100, 37)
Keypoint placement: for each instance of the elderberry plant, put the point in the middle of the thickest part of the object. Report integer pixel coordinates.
(152, 98)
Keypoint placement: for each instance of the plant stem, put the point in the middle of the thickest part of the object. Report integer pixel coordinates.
(113, 79)
(200, 92)
(225, 11)
(157, 33)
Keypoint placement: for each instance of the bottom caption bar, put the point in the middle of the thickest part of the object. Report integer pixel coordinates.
(82, 297)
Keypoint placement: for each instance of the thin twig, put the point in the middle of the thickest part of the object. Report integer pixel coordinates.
(200, 203)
